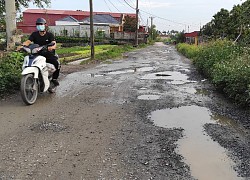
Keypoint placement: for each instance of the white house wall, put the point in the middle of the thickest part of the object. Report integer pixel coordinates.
(66, 23)
(78, 30)
(85, 30)
(60, 30)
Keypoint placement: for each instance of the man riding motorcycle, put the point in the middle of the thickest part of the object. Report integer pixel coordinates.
(43, 37)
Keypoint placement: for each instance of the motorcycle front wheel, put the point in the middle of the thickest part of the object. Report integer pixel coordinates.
(29, 89)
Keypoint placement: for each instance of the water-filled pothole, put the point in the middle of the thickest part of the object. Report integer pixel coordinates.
(133, 70)
(206, 158)
(94, 75)
(149, 97)
(202, 92)
(174, 77)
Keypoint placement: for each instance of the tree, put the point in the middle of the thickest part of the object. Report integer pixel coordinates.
(25, 3)
(22, 3)
(207, 30)
(235, 22)
(155, 32)
(180, 37)
(234, 25)
(130, 24)
(220, 23)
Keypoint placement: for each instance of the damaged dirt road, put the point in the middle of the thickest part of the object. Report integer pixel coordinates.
(149, 115)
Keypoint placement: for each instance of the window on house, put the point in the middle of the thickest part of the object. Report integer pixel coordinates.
(65, 32)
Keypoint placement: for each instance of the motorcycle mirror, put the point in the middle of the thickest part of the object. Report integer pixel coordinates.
(18, 43)
(51, 44)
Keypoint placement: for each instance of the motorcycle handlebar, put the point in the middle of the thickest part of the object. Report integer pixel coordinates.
(30, 48)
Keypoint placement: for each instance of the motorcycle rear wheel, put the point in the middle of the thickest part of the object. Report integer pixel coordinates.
(29, 89)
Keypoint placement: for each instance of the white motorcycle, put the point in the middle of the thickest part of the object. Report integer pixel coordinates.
(36, 74)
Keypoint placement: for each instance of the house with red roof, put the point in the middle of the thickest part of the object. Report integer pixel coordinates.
(192, 38)
(104, 24)
(30, 16)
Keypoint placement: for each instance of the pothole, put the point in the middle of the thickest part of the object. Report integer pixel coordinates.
(206, 158)
(132, 70)
(163, 75)
(46, 126)
(174, 77)
(203, 92)
(149, 97)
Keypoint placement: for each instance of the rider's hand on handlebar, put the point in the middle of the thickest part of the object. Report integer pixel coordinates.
(50, 48)
(19, 48)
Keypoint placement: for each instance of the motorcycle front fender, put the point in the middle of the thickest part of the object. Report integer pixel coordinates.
(31, 70)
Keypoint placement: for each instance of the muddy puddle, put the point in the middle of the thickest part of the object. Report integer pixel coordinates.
(134, 70)
(173, 76)
(206, 158)
(148, 97)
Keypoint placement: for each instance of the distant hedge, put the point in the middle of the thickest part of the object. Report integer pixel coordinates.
(64, 39)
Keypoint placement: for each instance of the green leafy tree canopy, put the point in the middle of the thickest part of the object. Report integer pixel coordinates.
(130, 24)
(25, 3)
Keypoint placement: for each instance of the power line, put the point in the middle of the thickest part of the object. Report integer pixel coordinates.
(114, 6)
(141, 18)
(148, 6)
(129, 4)
(121, 2)
(107, 5)
(126, 1)
(155, 15)
(163, 18)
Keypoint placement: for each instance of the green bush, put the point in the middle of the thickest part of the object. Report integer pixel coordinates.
(215, 52)
(10, 72)
(233, 78)
(190, 51)
(227, 65)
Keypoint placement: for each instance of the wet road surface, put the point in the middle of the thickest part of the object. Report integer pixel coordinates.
(149, 115)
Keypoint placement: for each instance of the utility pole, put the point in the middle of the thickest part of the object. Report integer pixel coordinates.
(137, 23)
(10, 19)
(151, 28)
(92, 41)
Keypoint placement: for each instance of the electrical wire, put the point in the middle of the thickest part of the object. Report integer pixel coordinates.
(114, 6)
(155, 15)
(129, 4)
(163, 18)
(107, 5)
(142, 18)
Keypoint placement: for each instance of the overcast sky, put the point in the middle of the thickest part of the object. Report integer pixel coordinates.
(168, 14)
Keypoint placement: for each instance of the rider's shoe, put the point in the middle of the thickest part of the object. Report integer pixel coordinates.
(55, 82)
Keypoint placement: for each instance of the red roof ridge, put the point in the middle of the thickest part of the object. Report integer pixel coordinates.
(73, 12)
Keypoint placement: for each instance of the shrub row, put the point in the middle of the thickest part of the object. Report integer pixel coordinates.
(227, 66)
(81, 40)
(190, 51)
(64, 39)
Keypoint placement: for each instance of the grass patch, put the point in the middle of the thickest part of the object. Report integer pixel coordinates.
(117, 52)
(74, 53)
(102, 52)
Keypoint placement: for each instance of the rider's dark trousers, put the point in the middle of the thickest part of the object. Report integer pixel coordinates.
(54, 60)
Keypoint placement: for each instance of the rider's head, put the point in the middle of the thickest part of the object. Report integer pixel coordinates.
(41, 24)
